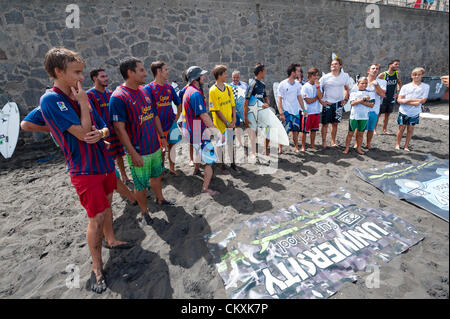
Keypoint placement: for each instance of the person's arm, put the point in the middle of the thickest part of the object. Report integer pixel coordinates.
(399, 86)
(381, 76)
(403, 100)
(302, 105)
(221, 117)
(379, 90)
(160, 132)
(356, 101)
(280, 108)
(233, 122)
(319, 91)
(31, 127)
(245, 112)
(346, 94)
(121, 132)
(266, 103)
(207, 120)
(93, 136)
(80, 131)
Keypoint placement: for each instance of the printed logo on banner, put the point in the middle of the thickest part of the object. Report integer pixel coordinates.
(418, 192)
(349, 218)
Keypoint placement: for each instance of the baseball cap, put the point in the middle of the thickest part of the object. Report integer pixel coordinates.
(194, 72)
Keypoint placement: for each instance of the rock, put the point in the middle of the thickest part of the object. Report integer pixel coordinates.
(140, 49)
(14, 17)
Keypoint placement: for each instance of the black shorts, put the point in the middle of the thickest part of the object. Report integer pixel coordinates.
(386, 106)
(331, 113)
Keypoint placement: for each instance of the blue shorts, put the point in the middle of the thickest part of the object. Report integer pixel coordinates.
(332, 113)
(406, 120)
(293, 122)
(372, 122)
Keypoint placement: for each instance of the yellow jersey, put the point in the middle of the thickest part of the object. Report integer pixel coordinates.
(222, 101)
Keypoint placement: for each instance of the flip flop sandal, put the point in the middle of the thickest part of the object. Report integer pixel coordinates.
(99, 285)
(120, 246)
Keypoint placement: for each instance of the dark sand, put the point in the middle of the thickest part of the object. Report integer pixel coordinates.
(43, 225)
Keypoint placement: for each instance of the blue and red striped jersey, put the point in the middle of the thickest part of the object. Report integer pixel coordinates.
(100, 101)
(193, 106)
(60, 113)
(136, 110)
(162, 98)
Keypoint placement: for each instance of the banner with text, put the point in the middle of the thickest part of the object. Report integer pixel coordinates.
(308, 250)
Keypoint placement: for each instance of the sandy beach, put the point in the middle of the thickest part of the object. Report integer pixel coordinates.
(43, 225)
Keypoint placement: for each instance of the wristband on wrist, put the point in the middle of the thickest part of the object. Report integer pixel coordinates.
(103, 133)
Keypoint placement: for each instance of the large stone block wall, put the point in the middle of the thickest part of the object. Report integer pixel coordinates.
(237, 33)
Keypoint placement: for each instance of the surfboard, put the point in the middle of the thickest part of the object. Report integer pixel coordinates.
(275, 92)
(267, 122)
(434, 116)
(173, 133)
(239, 98)
(9, 129)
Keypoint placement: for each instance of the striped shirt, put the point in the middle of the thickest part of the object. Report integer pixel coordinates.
(135, 109)
(162, 98)
(60, 113)
(100, 101)
(193, 106)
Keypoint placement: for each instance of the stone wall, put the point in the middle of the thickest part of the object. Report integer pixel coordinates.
(237, 33)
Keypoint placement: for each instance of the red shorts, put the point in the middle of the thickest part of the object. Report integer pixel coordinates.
(311, 123)
(93, 191)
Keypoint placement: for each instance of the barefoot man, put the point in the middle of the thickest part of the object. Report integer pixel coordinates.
(335, 86)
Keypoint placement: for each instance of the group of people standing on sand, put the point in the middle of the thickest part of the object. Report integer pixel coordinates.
(98, 128)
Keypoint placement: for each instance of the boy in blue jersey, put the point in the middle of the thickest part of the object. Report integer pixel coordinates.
(79, 132)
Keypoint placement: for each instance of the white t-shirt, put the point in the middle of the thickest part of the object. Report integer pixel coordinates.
(411, 91)
(371, 88)
(309, 91)
(360, 111)
(289, 96)
(333, 86)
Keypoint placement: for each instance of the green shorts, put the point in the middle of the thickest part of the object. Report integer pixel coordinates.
(152, 168)
(359, 125)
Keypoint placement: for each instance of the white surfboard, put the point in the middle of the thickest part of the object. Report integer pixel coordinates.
(9, 129)
(268, 123)
(174, 107)
(239, 98)
(434, 116)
